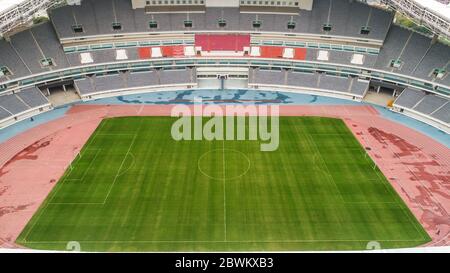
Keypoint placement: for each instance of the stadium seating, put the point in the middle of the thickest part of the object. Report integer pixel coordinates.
(35, 45)
(24, 43)
(84, 86)
(3, 113)
(335, 83)
(341, 57)
(138, 79)
(109, 82)
(39, 49)
(418, 55)
(436, 57)
(272, 77)
(297, 78)
(175, 76)
(66, 17)
(443, 113)
(358, 87)
(412, 49)
(395, 41)
(409, 98)
(427, 104)
(12, 104)
(302, 79)
(48, 42)
(97, 16)
(32, 97)
(11, 60)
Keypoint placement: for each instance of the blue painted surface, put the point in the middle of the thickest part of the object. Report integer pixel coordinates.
(240, 96)
(29, 123)
(422, 127)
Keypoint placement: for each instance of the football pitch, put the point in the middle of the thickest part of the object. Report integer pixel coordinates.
(134, 188)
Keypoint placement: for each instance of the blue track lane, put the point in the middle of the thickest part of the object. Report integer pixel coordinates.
(240, 96)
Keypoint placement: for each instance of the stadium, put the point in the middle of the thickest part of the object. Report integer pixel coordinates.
(237, 126)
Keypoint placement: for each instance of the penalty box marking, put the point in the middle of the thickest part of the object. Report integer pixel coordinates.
(80, 203)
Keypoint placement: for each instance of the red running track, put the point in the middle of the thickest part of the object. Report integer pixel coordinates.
(417, 166)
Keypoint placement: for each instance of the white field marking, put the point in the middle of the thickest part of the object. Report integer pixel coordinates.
(131, 165)
(76, 203)
(218, 241)
(334, 182)
(37, 219)
(329, 134)
(115, 134)
(324, 163)
(90, 165)
(140, 109)
(97, 130)
(400, 205)
(224, 191)
(74, 179)
(77, 179)
(398, 196)
(120, 168)
(85, 149)
(59, 186)
(368, 202)
(221, 178)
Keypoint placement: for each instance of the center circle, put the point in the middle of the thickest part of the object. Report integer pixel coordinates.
(223, 164)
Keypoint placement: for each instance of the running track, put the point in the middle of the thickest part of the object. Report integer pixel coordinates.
(417, 166)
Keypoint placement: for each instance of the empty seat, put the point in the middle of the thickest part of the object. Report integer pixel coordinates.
(3, 113)
(436, 58)
(84, 86)
(334, 83)
(429, 104)
(392, 47)
(49, 44)
(12, 61)
(176, 76)
(26, 46)
(108, 82)
(12, 104)
(359, 87)
(409, 97)
(138, 79)
(302, 79)
(96, 17)
(413, 52)
(33, 97)
(268, 77)
(443, 113)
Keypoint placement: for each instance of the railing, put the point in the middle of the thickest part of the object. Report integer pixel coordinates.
(438, 24)
(22, 13)
(311, 66)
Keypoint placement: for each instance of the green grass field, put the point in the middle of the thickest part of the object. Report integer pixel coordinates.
(133, 188)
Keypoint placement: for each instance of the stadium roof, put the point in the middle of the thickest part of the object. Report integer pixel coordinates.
(436, 7)
(7, 4)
